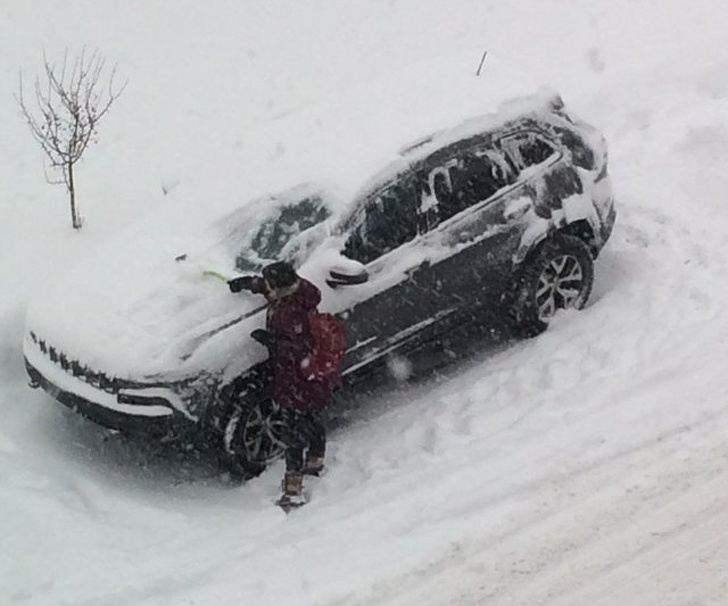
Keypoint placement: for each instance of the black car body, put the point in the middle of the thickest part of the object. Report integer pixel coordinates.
(499, 216)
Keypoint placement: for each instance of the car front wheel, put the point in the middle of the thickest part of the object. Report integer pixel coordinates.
(253, 438)
(559, 275)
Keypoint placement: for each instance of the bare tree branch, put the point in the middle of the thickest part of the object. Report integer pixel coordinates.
(69, 105)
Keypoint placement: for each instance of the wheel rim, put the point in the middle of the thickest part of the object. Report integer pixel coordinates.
(560, 286)
(257, 433)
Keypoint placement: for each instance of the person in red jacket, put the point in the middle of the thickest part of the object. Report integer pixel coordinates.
(288, 337)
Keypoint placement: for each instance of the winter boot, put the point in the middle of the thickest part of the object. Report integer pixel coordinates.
(314, 465)
(292, 486)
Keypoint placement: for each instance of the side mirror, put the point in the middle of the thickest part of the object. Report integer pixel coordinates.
(349, 274)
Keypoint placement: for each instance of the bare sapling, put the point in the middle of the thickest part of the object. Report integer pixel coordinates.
(70, 99)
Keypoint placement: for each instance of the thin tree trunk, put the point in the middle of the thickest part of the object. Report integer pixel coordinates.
(75, 219)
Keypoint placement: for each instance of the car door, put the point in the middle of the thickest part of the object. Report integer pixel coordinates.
(482, 207)
(392, 307)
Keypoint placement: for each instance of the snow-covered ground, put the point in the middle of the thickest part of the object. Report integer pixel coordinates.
(588, 466)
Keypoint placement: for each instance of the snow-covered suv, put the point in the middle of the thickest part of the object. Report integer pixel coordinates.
(501, 215)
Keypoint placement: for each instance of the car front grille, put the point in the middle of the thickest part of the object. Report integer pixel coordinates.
(75, 367)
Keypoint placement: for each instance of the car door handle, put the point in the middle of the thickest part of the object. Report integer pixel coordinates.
(517, 209)
(413, 271)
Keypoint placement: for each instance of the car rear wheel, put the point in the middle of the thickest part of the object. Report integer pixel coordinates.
(253, 438)
(558, 275)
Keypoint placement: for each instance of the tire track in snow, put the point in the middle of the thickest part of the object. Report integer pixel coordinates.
(555, 514)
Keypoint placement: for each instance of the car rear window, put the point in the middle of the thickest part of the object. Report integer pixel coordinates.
(580, 152)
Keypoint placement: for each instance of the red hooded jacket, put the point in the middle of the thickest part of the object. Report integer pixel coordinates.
(288, 322)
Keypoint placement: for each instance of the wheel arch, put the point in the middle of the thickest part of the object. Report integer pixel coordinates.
(581, 229)
(520, 298)
(249, 386)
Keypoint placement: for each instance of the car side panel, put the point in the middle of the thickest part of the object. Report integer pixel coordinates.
(478, 252)
(399, 308)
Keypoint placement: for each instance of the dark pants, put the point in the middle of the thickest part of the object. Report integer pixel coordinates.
(304, 431)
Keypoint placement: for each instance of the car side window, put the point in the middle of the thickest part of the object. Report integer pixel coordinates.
(582, 155)
(527, 149)
(388, 220)
(477, 178)
(467, 180)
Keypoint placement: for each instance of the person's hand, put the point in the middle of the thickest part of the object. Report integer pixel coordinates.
(241, 283)
(263, 337)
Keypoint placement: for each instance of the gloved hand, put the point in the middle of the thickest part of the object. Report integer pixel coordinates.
(263, 337)
(241, 283)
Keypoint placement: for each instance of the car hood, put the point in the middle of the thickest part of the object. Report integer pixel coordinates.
(148, 304)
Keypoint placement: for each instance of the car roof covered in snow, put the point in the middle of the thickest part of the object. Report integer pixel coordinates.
(344, 142)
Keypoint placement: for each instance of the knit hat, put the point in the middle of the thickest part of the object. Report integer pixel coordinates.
(280, 274)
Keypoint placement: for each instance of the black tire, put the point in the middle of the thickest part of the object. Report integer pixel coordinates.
(559, 274)
(253, 438)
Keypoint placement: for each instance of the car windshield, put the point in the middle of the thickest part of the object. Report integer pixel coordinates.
(264, 243)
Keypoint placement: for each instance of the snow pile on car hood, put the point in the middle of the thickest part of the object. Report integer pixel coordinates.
(150, 300)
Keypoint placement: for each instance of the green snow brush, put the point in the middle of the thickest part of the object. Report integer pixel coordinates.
(215, 274)
(211, 273)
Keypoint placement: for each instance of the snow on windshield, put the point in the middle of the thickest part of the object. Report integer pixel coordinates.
(263, 243)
